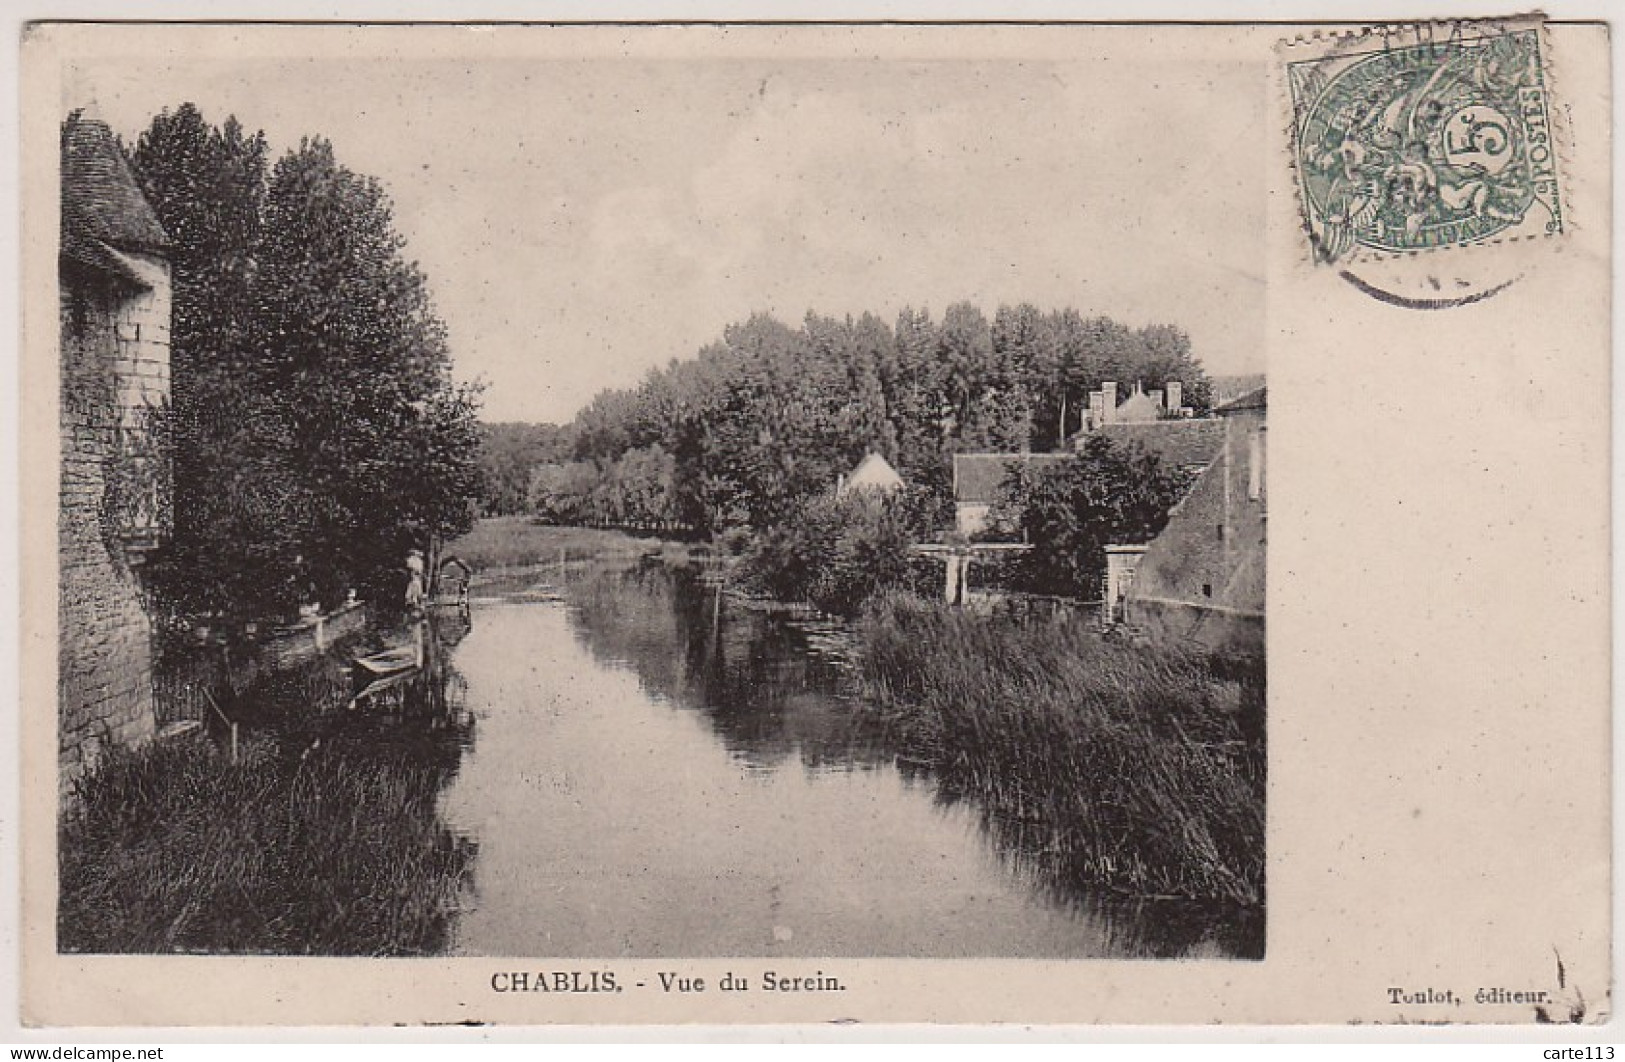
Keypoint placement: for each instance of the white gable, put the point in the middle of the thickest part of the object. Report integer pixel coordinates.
(873, 473)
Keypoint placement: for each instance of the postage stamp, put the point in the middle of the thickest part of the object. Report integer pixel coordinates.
(1404, 146)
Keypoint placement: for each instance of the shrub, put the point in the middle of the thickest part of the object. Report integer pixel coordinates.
(840, 551)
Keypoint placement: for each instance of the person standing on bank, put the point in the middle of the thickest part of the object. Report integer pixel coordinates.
(414, 581)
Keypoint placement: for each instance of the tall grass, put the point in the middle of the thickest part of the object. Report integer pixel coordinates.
(316, 851)
(1143, 768)
(520, 541)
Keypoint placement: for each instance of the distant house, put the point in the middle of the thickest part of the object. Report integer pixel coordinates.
(1186, 446)
(979, 484)
(1139, 407)
(1158, 423)
(114, 309)
(1202, 579)
(874, 473)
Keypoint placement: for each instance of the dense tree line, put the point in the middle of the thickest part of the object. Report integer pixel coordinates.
(509, 453)
(316, 431)
(761, 422)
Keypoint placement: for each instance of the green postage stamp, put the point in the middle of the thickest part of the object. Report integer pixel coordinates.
(1404, 145)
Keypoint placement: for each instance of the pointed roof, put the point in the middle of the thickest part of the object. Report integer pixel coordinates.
(103, 210)
(1139, 409)
(873, 472)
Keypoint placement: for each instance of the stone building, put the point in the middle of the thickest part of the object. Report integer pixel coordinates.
(1138, 407)
(1202, 579)
(114, 305)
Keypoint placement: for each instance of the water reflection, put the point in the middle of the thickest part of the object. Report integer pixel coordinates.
(755, 677)
(1155, 927)
(420, 713)
(779, 692)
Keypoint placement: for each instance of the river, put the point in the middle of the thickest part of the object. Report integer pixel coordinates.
(648, 774)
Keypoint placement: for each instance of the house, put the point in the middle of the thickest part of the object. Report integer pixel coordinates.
(874, 473)
(1186, 446)
(979, 484)
(1157, 421)
(114, 487)
(1140, 407)
(1201, 580)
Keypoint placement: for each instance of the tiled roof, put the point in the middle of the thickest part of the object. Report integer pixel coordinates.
(1188, 443)
(102, 208)
(979, 478)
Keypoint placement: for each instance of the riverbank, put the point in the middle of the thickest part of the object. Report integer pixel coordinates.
(175, 849)
(317, 834)
(1143, 768)
(500, 542)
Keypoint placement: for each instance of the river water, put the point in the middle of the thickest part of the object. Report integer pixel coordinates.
(648, 774)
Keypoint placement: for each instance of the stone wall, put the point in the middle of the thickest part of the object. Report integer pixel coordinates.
(189, 674)
(1202, 579)
(113, 506)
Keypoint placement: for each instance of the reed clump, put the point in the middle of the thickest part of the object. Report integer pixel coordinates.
(1143, 767)
(313, 850)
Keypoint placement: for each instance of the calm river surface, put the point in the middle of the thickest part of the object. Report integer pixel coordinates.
(648, 778)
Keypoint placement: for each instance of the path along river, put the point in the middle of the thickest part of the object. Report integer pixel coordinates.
(647, 775)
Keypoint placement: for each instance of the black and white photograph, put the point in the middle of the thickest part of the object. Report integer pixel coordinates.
(636, 507)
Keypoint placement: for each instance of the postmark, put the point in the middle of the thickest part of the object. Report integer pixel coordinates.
(1424, 145)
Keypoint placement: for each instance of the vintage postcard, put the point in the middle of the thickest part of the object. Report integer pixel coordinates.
(729, 523)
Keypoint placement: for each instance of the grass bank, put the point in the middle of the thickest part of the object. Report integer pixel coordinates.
(172, 848)
(322, 839)
(499, 542)
(1142, 769)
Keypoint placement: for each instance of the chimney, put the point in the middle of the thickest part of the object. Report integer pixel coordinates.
(1097, 410)
(1156, 398)
(1108, 401)
(1176, 396)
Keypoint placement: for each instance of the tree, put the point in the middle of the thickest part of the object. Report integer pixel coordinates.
(320, 435)
(387, 442)
(764, 420)
(841, 551)
(646, 477)
(1070, 511)
(232, 482)
(508, 454)
(560, 491)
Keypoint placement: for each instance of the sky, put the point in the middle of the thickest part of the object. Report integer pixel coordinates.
(587, 210)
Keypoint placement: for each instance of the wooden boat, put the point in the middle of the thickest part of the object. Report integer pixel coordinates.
(388, 662)
(387, 691)
(380, 678)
